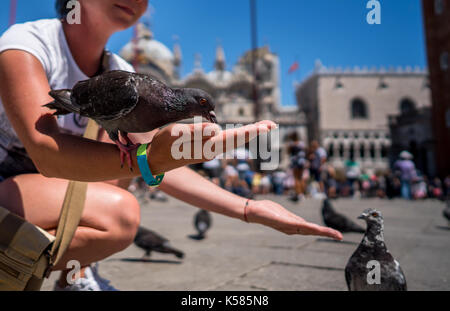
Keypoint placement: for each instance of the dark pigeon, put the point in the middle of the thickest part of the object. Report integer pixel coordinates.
(202, 222)
(150, 241)
(446, 212)
(124, 102)
(373, 247)
(339, 222)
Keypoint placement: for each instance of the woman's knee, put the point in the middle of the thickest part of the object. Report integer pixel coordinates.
(127, 219)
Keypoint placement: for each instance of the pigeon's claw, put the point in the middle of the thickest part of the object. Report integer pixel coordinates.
(125, 150)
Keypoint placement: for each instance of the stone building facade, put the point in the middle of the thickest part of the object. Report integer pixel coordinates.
(436, 15)
(412, 130)
(347, 109)
(231, 89)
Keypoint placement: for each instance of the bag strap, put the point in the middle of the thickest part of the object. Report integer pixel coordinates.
(72, 209)
(74, 199)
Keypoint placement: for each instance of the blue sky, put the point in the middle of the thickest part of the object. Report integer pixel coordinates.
(334, 31)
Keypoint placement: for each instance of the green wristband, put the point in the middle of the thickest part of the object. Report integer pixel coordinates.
(145, 169)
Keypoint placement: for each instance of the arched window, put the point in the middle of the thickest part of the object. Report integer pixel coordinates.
(384, 151)
(352, 151)
(372, 150)
(359, 109)
(361, 151)
(341, 150)
(407, 106)
(241, 112)
(331, 150)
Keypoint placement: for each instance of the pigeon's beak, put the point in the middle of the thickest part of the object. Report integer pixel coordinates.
(211, 117)
(362, 216)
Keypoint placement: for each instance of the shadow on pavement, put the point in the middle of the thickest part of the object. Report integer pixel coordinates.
(443, 228)
(197, 237)
(176, 262)
(334, 241)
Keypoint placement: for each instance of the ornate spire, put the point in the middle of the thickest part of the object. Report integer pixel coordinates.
(143, 32)
(220, 58)
(198, 63)
(178, 56)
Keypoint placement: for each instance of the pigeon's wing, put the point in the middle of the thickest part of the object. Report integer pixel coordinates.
(109, 96)
(351, 226)
(336, 221)
(149, 240)
(446, 213)
(348, 277)
(392, 276)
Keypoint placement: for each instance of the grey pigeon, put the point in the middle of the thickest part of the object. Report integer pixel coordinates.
(150, 241)
(446, 212)
(125, 102)
(337, 221)
(373, 247)
(202, 222)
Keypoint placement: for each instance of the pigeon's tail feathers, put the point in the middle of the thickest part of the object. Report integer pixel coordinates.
(177, 253)
(62, 103)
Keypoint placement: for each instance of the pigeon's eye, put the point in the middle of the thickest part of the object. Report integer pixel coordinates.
(375, 214)
(203, 101)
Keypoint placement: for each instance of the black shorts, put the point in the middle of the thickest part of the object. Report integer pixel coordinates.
(16, 162)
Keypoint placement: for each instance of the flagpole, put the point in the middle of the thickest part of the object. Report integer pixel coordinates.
(254, 40)
(12, 12)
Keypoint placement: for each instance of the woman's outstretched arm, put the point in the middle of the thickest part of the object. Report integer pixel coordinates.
(188, 186)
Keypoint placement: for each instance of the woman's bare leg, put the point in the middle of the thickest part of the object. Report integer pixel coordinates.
(108, 224)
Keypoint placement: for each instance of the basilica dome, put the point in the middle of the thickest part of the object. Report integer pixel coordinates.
(151, 53)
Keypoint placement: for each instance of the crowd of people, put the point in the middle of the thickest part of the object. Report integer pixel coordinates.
(310, 174)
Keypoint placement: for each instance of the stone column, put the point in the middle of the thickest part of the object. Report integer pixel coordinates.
(367, 151)
(336, 149)
(356, 151)
(378, 152)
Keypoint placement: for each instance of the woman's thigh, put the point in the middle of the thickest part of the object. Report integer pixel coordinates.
(39, 199)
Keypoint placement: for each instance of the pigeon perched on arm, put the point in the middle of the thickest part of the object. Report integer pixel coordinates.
(202, 222)
(150, 241)
(339, 222)
(373, 248)
(125, 102)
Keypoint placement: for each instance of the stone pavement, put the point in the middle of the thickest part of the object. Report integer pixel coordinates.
(240, 256)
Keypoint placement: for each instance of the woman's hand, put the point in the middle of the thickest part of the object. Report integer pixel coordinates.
(273, 215)
(167, 148)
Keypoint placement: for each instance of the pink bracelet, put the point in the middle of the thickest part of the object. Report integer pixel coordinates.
(245, 211)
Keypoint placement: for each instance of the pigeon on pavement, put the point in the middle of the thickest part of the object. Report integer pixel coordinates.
(339, 222)
(202, 222)
(125, 102)
(359, 273)
(150, 241)
(446, 212)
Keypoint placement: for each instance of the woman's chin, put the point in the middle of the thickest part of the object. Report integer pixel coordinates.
(123, 22)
